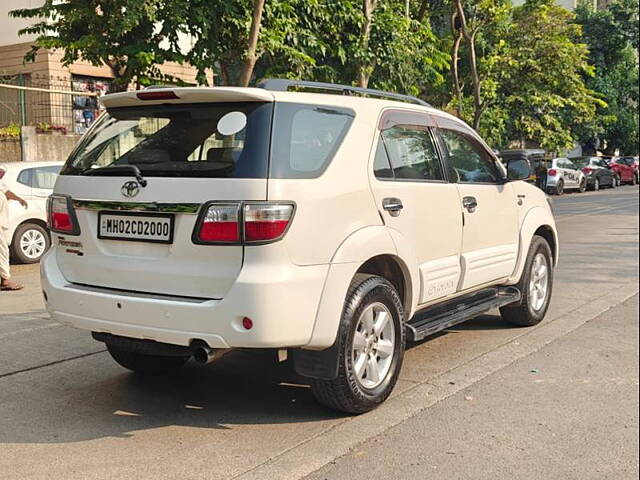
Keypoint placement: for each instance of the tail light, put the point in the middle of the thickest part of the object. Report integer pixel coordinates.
(552, 172)
(220, 224)
(242, 223)
(587, 170)
(266, 222)
(62, 216)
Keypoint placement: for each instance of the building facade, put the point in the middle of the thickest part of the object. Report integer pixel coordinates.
(41, 92)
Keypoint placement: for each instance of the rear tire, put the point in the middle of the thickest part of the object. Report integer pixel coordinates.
(146, 364)
(30, 241)
(362, 342)
(559, 188)
(533, 306)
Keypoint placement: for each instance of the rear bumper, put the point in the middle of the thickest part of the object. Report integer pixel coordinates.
(282, 301)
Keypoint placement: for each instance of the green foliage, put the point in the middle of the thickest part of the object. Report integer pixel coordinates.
(132, 37)
(612, 39)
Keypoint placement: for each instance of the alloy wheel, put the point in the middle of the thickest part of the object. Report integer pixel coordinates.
(33, 243)
(539, 282)
(373, 345)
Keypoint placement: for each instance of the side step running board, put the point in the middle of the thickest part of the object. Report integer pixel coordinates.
(440, 317)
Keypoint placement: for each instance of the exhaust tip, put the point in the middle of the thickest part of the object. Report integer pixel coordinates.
(203, 355)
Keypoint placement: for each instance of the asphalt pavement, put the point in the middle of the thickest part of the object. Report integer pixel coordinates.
(482, 400)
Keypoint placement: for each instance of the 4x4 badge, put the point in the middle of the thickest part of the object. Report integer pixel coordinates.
(130, 189)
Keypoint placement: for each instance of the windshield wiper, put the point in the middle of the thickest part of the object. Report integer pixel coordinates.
(108, 169)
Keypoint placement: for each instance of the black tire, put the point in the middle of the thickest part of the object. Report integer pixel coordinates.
(146, 364)
(345, 393)
(21, 232)
(614, 184)
(583, 185)
(596, 184)
(634, 180)
(559, 188)
(523, 314)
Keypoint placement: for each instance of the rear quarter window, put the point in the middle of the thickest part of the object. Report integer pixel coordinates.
(305, 138)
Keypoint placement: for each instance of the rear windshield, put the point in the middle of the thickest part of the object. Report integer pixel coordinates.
(581, 161)
(222, 140)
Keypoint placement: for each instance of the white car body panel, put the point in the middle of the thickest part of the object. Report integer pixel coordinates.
(36, 198)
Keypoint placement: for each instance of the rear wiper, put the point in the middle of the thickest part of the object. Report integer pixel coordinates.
(108, 169)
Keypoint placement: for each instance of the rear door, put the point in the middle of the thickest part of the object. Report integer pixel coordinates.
(415, 199)
(188, 154)
(490, 233)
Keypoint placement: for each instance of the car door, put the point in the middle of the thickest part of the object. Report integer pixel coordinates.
(570, 173)
(415, 199)
(488, 204)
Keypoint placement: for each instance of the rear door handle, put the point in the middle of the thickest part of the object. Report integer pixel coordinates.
(470, 203)
(392, 205)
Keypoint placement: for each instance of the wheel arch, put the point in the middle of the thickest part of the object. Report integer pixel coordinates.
(36, 221)
(538, 221)
(368, 250)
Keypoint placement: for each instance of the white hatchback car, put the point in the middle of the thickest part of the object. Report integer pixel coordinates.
(192, 221)
(28, 231)
(565, 175)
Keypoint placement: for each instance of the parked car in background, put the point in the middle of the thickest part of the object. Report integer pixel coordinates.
(565, 175)
(536, 158)
(626, 168)
(598, 172)
(28, 231)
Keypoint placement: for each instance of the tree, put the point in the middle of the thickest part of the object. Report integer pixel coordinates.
(471, 21)
(131, 37)
(612, 38)
(544, 91)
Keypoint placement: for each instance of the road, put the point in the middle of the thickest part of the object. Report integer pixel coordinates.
(483, 400)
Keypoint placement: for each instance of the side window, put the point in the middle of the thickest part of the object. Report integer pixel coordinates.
(381, 166)
(469, 160)
(45, 177)
(412, 153)
(25, 177)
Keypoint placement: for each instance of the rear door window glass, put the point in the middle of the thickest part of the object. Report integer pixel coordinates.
(305, 138)
(412, 153)
(45, 177)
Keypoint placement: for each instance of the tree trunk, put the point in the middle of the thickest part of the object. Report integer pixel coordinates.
(252, 43)
(422, 11)
(455, 58)
(470, 38)
(224, 73)
(363, 69)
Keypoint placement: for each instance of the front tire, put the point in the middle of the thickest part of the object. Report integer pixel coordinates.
(583, 185)
(536, 285)
(596, 184)
(371, 342)
(146, 364)
(30, 242)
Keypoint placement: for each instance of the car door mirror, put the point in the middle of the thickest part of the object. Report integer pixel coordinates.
(518, 169)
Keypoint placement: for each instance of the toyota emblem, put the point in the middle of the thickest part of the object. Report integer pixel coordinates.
(130, 189)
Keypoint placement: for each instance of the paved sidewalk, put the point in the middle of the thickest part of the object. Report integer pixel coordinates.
(569, 411)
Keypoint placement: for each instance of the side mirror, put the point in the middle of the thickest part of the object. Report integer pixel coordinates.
(518, 169)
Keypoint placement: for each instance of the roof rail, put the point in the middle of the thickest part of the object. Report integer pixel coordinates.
(283, 85)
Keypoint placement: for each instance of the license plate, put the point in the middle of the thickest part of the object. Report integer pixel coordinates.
(139, 227)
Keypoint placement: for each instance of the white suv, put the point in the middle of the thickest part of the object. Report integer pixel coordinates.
(334, 228)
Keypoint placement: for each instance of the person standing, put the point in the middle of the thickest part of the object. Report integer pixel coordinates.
(5, 275)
